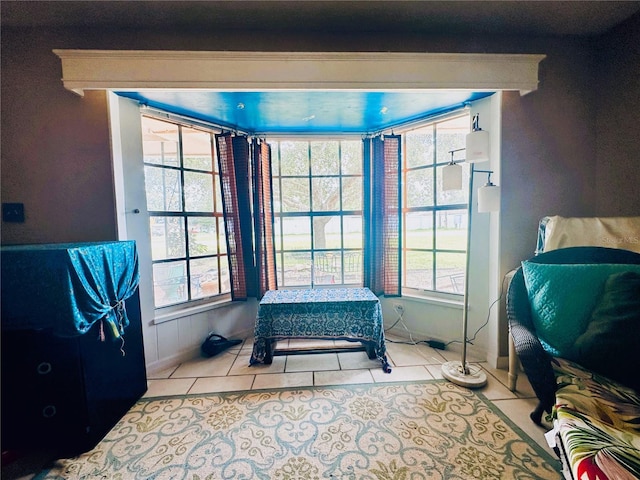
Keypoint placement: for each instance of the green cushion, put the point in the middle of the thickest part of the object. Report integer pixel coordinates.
(611, 343)
(562, 297)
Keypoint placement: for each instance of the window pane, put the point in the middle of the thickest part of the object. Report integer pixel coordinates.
(297, 198)
(353, 267)
(328, 268)
(451, 230)
(296, 233)
(225, 282)
(169, 283)
(297, 269)
(352, 231)
(451, 135)
(218, 195)
(167, 237)
(294, 158)
(351, 157)
(277, 233)
(419, 185)
(327, 232)
(454, 197)
(203, 236)
(198, 192)
(159, 142)
(418, 228)
(277, 201)
(164, 193)
(324, 158)
(326, 194)
(204, 277)
(196, 149)
(419, 147)
(222, 236)
(450, 272)
(351, 193)
(275, 158)
(418, 268)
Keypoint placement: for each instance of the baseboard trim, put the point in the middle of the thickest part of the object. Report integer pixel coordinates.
(173, 360)
(189, 354)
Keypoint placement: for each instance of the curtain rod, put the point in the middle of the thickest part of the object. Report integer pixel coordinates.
(399, 127)
(190, 121)
(410, 125)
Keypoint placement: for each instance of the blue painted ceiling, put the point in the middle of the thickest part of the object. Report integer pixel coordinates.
(306, 112)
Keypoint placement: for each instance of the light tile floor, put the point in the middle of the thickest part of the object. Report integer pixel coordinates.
(230, 371)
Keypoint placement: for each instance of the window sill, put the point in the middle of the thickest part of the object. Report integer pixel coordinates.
(191, 310)
(452, 301)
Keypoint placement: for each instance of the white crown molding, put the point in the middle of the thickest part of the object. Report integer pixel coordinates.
(238, 71)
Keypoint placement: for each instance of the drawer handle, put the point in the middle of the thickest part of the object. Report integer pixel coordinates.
(49, 411)
(44, 368)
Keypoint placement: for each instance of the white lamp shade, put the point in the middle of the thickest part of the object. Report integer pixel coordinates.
(489, 198)
(477, 146)
(452, 177)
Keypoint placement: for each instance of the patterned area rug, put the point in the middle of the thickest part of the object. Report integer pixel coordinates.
(432, 429)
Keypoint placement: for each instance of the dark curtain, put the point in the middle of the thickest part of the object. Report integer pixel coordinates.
(263, 207)
(233, 160)
(382, 210)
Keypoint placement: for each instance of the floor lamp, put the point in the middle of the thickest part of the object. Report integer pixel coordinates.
(477, 150)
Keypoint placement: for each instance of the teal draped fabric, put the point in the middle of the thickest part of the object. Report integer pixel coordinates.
(67, 288)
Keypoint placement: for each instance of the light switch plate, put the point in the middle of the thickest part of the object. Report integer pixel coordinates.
(13, 212)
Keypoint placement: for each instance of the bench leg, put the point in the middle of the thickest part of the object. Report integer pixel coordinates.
(268, 354)
(371, 351)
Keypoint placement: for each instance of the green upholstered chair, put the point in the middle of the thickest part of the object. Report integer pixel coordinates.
(535, 360)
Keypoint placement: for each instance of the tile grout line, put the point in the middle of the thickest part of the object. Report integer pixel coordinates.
(237, 354)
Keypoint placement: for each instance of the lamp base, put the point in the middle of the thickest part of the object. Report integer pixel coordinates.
(454, 372)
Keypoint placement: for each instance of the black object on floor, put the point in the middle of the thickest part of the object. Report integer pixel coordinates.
(214, 344)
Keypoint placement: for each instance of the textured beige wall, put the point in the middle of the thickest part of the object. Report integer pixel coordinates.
(55, 150)
(548, 152)
(618, 122)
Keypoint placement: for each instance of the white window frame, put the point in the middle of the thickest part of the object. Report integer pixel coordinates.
(216, 214)
(345, 254)
(433, 209)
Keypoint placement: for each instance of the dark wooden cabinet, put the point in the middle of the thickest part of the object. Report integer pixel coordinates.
(72, 358)
(67, 393)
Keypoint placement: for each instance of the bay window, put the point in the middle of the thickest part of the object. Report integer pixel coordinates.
(317, 191)
(182, 186)
(434, 220)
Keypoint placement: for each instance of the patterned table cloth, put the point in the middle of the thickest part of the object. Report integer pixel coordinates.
(352, 314)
